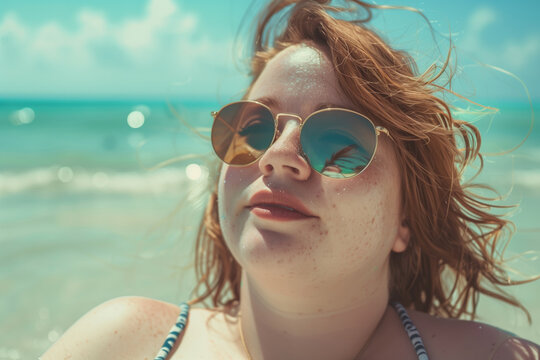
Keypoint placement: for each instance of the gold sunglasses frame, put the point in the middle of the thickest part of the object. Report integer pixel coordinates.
(378, 131)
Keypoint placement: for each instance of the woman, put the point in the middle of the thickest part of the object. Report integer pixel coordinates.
(336, 210)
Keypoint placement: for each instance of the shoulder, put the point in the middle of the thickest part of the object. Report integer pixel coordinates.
(125, 327)
(516, 349)
(452, 338)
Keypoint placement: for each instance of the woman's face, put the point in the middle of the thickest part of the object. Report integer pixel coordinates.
(353, 224)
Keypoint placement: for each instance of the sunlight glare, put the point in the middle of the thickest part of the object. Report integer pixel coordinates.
(135, 119)
(193, 171)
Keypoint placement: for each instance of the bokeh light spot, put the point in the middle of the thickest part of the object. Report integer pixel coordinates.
(23, 116)
(193, 171)
(53, 335)
(135, 119)
(144, 109)
(26, 115)
(65, 174)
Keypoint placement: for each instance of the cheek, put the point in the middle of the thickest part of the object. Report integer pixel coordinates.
(233, 178)
(232, 183)
(365, 210)
(228, 187)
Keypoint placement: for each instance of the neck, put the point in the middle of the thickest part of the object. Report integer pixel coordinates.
(318, 323)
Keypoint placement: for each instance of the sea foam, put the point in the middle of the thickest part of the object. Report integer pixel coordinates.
(79, 180)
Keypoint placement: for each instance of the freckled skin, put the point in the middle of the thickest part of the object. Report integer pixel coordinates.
(359, 218)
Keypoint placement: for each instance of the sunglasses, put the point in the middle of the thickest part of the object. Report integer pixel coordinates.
(337, 143)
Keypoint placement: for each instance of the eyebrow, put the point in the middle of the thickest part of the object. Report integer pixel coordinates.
(330, 105)
(274, 103)
(268, 101)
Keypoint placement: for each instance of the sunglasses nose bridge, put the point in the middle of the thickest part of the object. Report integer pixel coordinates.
(284, 156)
(282, 119)
(287, 124)
(294, 116)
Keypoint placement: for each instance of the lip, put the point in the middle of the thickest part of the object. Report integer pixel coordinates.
(278, 205)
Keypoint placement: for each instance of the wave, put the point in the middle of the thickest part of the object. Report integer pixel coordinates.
(79, 180)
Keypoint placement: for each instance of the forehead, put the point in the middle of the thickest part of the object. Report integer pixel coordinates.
(299, 79)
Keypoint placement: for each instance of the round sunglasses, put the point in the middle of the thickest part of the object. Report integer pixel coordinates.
(337, 143)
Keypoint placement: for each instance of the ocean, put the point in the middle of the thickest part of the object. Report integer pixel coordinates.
(100, 199)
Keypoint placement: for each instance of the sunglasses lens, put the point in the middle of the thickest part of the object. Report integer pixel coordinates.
(338, 143)
(242, 132)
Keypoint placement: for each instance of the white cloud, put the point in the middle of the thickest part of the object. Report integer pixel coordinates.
(149, 52)
(518, 54)
(159, 11)
(139, 35)
(51, 42)
(12, 34)
(93, 24)
(512, 53)
(11, 28)
(188, 23)
(480, 19)
(134, 35)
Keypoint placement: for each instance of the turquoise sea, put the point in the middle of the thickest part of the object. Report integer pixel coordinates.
(87, 215)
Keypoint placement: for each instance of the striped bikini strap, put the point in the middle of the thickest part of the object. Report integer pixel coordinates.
(173, 334)
(413, 333)
(177, 328)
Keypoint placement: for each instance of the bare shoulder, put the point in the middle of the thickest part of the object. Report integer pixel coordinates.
(122, 328)
(211, 334)
(462, 339)
(517, 349)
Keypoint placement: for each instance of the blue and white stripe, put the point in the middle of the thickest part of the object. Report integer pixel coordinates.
(411, 330)
(173, 334)
(413, 333)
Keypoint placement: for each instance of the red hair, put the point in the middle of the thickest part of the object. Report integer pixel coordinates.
(452, 255)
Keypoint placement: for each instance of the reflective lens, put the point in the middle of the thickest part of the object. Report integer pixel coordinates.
(242, 132)
(338, 143)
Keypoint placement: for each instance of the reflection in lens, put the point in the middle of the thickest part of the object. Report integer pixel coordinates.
(338, 143)
(241, 132)
(256, 132)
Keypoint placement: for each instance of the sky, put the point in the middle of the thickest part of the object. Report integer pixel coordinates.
(180, 48)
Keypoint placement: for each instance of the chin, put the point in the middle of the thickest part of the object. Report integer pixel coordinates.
(264, 250)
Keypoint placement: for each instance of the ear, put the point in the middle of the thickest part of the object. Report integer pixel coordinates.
(402, 237)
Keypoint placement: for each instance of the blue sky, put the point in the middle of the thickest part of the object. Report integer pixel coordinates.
(157, 48)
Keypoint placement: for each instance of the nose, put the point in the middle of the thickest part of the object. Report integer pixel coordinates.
(284, 158)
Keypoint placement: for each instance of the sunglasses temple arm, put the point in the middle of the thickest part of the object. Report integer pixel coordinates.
(380, 129)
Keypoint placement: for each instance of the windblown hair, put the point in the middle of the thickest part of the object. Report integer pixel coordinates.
(453, 254)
